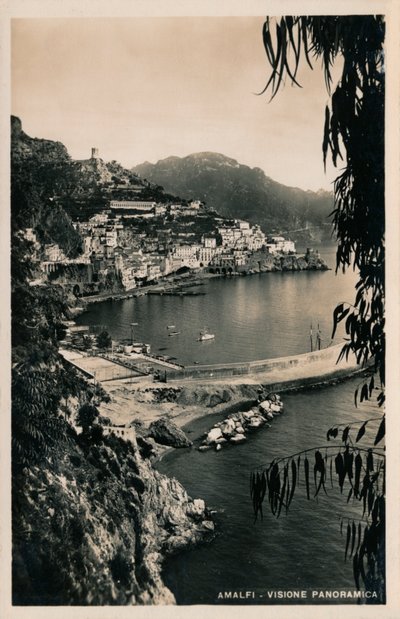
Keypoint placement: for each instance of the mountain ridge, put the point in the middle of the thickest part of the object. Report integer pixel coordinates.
(237, 190)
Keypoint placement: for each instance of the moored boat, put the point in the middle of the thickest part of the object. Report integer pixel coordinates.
(205, 335)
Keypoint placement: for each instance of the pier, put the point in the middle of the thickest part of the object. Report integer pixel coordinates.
(306, 369)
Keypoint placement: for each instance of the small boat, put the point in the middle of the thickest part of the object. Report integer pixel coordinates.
(174, 333)
(205, 335)
(170, 326)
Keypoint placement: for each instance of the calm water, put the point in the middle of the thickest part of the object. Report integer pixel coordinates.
(301, 550)
(255, 317)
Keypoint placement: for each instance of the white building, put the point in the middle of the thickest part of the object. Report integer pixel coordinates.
(133, 205)
(280, 245)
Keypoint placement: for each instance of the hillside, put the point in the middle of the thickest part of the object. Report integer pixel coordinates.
(76, 189)
(236, 190)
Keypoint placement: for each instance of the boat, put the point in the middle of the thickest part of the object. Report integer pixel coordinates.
(205, 335)
(174, 333)
(171, 327)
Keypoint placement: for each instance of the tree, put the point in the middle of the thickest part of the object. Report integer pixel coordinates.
(104, 340)
(87, 415)
(353, 133)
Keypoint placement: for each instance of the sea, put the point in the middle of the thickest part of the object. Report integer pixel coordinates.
(259, 316)
(255, 317)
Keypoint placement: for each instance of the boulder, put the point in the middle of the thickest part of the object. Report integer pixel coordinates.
(228, 427)
(239, 429)
(165, 432)
(218, 447)
(247, 415)
(238, 438)
(207, 525)
(256, 422)
(266, 405)
(213, 435)
(196, 508)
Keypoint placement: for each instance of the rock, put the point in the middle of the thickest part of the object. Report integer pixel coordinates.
(166, 432)
(276, 408)
(240, 429)
(228, 427)
(203, 447)
(213, 435)
(266, 405)
(196, 508)
(238, 438)
(248, 415)
(218, 447)
(207, 525)
(256, 422)
(221, 441)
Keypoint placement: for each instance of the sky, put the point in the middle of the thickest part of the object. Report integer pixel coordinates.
(145, 88)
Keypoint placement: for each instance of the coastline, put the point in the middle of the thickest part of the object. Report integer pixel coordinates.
(189, 279)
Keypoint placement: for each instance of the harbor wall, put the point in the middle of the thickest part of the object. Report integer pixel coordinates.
(304, 366)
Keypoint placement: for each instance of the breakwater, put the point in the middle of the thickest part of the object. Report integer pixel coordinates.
(292, 371)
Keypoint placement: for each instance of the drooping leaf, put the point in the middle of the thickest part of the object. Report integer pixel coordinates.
(348, 463)
(361, 431)
(306, 474)
(294, 480)
(339, 468)
(353, 538)
(345, 434)
(284, 483)
(356, 570)
(347, 540)
(370, 461)
(357, 473)
(381, 432)
(364, 393)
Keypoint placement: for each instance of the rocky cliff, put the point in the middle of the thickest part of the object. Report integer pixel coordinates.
(93, 524)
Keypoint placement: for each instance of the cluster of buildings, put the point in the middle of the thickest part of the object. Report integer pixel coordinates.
(135, 242)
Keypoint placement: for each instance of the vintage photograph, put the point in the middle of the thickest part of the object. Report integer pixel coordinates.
(198, 310)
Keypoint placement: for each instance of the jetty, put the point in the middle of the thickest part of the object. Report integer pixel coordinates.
(307, 369)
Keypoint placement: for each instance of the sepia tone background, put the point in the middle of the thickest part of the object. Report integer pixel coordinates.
(47, 82)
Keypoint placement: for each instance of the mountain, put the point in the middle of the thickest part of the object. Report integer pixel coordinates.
(236, 190)
(49, 189)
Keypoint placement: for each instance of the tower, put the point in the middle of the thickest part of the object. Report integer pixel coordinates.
(95, 153)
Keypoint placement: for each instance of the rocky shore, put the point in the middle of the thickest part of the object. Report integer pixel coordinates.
(233, 429)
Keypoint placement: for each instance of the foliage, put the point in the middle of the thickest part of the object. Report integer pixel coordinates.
(39, 377)
(359, 473)
(37, 426)
(104, 340)
(354, 133)
(87, 415)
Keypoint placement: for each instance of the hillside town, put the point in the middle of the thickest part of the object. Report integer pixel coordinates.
(133, 243)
